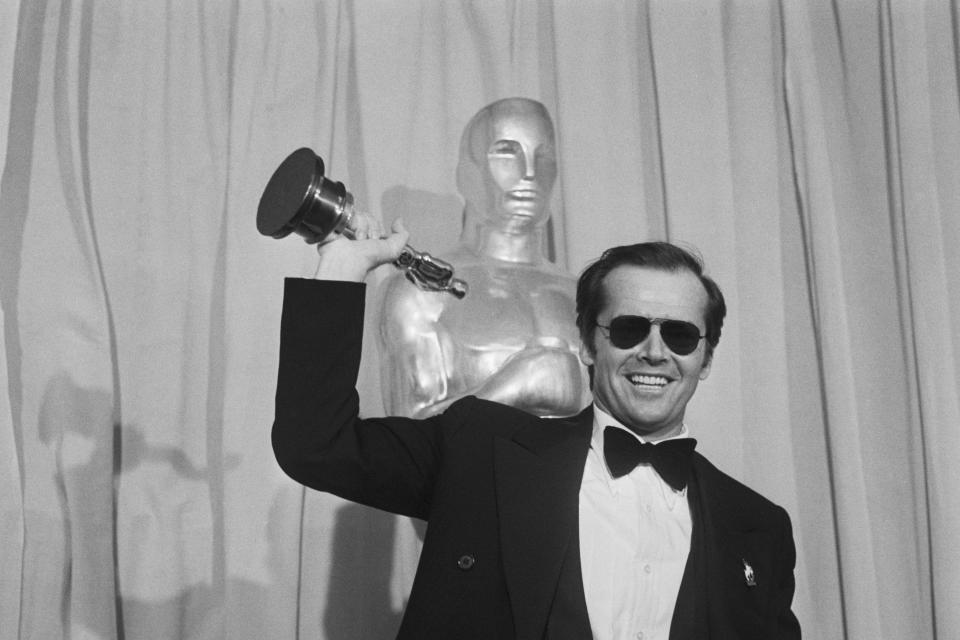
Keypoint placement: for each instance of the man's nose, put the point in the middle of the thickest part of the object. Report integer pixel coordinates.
(652, 348)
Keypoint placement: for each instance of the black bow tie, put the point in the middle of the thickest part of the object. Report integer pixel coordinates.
(671, 458)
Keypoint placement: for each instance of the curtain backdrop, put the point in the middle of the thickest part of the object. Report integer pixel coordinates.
(809, 149)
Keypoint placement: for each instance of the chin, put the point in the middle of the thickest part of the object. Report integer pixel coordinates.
(648, 423)
(531, 216)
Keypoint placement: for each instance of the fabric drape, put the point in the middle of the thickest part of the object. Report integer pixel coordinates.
(809, 150)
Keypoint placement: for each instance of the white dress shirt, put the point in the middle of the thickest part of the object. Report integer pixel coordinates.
(634, 540)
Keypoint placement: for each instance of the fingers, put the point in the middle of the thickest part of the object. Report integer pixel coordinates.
(388, 247)
(398, 236)
(366, 227)
(342, 259)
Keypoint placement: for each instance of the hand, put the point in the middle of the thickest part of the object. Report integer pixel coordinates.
(352, 260)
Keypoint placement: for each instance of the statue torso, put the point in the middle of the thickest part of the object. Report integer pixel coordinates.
(507, 310)
(515, 330)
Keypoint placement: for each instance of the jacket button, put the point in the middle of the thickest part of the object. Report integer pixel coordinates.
(466, 562)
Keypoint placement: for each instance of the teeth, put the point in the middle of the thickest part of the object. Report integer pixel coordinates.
(657, 381)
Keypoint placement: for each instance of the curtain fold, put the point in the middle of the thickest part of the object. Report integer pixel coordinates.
(808, 150)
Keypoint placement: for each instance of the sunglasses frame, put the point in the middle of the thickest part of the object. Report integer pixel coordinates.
(650, 323)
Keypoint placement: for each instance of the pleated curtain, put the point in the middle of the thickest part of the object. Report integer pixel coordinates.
(808, 149)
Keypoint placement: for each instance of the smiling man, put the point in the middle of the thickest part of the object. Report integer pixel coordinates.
(603, 525)
(658, 554)
(646, 380)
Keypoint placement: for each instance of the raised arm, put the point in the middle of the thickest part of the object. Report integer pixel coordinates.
(318, 438)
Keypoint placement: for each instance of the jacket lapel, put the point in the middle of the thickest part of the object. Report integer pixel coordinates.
(690, 614)
(715, 599)
(538, 475)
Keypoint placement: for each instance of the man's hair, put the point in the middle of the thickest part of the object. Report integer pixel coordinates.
(591, 294)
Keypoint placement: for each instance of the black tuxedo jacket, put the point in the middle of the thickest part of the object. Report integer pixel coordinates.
(500, 491)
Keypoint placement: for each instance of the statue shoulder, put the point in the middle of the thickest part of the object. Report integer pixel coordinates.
(399, 300)
(562, 279)
(553, 281)
(556, 273)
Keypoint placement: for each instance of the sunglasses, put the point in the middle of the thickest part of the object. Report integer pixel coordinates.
(626, 332)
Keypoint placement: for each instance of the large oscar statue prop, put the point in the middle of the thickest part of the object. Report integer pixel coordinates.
(299, 199)
(513, 339)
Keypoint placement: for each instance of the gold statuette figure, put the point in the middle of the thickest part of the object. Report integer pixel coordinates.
(513, 339)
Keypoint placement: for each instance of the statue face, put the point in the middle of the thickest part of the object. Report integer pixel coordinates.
(515, 138)
(522, 163)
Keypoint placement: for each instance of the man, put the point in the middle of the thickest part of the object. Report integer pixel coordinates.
(543, 527)
(511, 339)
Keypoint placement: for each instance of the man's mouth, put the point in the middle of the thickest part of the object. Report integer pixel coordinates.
(646, 380)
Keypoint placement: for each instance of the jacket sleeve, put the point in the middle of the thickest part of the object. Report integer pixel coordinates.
(318, 438)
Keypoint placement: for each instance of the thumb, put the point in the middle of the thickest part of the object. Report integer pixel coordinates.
(398, 237)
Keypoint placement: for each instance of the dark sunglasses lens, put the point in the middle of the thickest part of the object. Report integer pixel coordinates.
(681, 337)
(627, 332)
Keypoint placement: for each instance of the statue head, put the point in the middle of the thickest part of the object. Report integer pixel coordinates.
(508, 165)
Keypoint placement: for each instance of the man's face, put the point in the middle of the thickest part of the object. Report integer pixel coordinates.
(647, 386)
(522, 162)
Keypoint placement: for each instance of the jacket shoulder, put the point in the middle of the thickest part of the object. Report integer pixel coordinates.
(502, 420)
(740, 501)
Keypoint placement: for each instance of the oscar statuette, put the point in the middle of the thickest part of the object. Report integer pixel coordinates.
(299, 199)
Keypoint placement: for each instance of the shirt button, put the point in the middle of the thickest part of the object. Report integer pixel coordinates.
(648, 507)
(466, 562)
(639, 635)
(646, 569)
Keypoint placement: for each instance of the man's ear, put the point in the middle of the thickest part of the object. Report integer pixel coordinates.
(705, 368)
(586, 354)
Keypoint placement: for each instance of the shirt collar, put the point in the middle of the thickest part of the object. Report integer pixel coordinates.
(602, 420)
